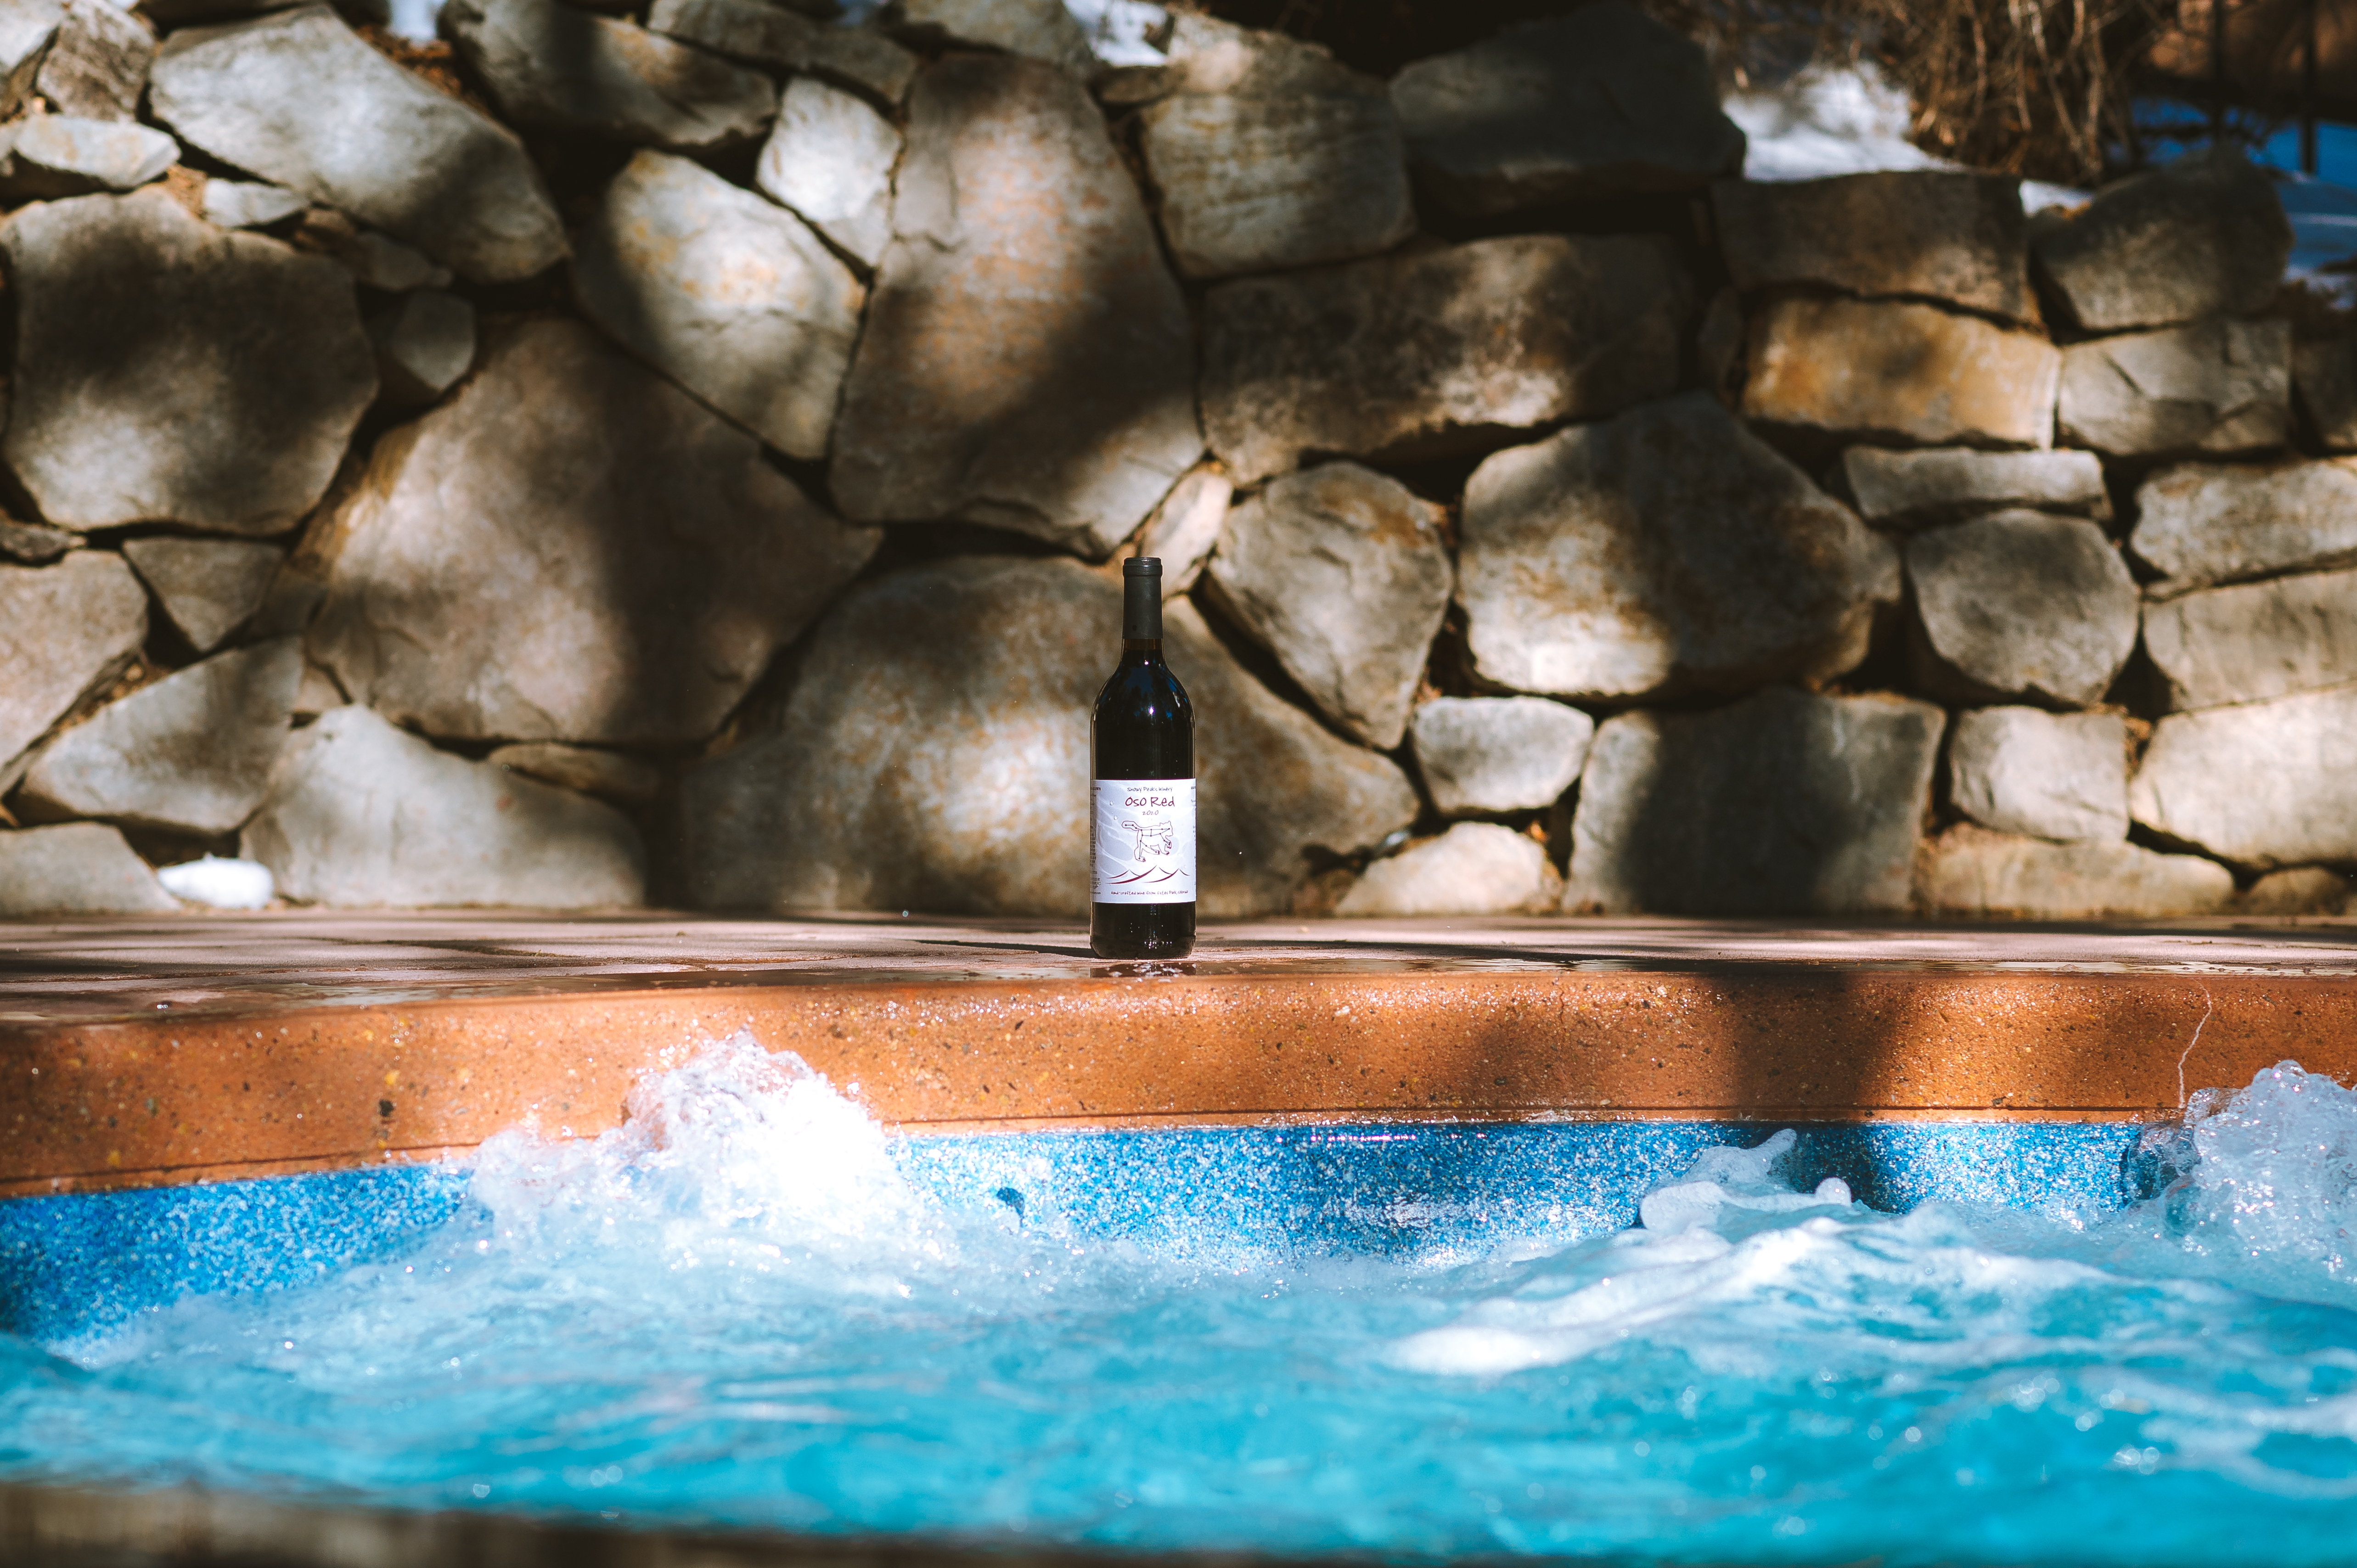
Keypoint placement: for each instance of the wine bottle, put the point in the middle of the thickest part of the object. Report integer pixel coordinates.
(1142, 789)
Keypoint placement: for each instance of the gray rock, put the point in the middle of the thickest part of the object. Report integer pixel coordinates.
(2303, 890)
(1498, 754)
(423, 346)
(2256, 640)
(169, 371)
(1897, 372)
(248, 204)
(507, 569)
(551, 65)
(56, 154)
(1415, 356)
(1027, 361)
(378, 262)
(583, 770)
(867, 61)
(1036, 30)
(2214, 386)
(933, 754)
(81, 868)
(66, 632)
(1957, 238)
(1601, 101)
(1474, 868)
(2205, 236)
(2324, 375)
(2262, 784)
(734, 299)
(297, 99)
(192, 752)
(26, 29)
(209, 587)
(2197, 524)
(1918, 489)
(830, 158)
(360, 814)
(1293, 161)
(1342, 573)
(2020, 605)
(33, 544)
(2051, 776)
(1668, 550)
(1784, 803)
(318, 693)
(1185, 528)
(748, 31)
(96, 67)
(1970, 871)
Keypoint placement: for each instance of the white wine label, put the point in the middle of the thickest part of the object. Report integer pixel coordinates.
(1142, 840)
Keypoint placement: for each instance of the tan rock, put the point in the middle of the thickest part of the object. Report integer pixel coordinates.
(1185, 528)
(66, 631)
(2203, 236)
(2250, 642)
(570, 549)
(1958, 238)
(1027, 361)
(933, 754)
(2260, 784)
(1899, 371)
(208, 586)
(582, 768)
(1425, 354)
(79, 868)
(549, 64)
(1971, 871)
(2302, 890)
(2209, 387)
(2199, 523)
(2020, 605)
(1474, 868)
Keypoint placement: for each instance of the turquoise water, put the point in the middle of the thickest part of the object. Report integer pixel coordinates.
(739, 1309)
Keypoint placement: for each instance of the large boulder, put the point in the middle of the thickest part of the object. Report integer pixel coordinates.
(1971, 871)
(1601, 101)
(96, 66)
(553, 65)
(2052, 776)
(1958, 238)
(933, 754)
(1342, 573)
(65, 632)
(2196, 524)
(2260, 784)
(2214, 386)
(297, 99)
(1027, 361)
(1899, 371)
(208, 586)
(570, 549)
(1422, 355)
(1784, 803)
(2020, 605)
(2204, 236)
(1498, 754)
(1666, 551)
(1474, 868)
(2250, 642)
(1920, 489)
(830, 158)
(1281, 159)
(192, 752)
(80, 868)
(727, 295)
(360, 814)
(168, 372)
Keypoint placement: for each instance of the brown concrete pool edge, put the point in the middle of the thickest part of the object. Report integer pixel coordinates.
(138, 1102)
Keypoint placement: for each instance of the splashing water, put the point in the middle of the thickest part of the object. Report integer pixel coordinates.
(735, 1309)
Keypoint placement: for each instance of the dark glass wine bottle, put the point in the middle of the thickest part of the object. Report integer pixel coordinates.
(1142, 811)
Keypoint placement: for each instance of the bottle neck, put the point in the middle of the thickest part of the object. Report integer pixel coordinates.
(1141, 611)
(1141, 650)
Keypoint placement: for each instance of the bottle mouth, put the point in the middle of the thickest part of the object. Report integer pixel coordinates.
(1141, 566)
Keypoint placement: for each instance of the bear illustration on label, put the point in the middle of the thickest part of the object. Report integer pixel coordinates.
(1153, 838)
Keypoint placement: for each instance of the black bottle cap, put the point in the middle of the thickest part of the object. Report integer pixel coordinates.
(1141, 566)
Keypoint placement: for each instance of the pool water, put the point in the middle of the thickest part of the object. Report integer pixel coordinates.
(749, 1306)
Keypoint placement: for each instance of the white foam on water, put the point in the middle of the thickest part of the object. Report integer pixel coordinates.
(220, 883)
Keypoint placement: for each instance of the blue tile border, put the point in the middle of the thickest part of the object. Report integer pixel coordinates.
(78, 1263)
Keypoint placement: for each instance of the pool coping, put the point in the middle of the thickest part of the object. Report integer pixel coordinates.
(264, 1068)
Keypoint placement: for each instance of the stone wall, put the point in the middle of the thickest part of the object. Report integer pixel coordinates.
(678, 456)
